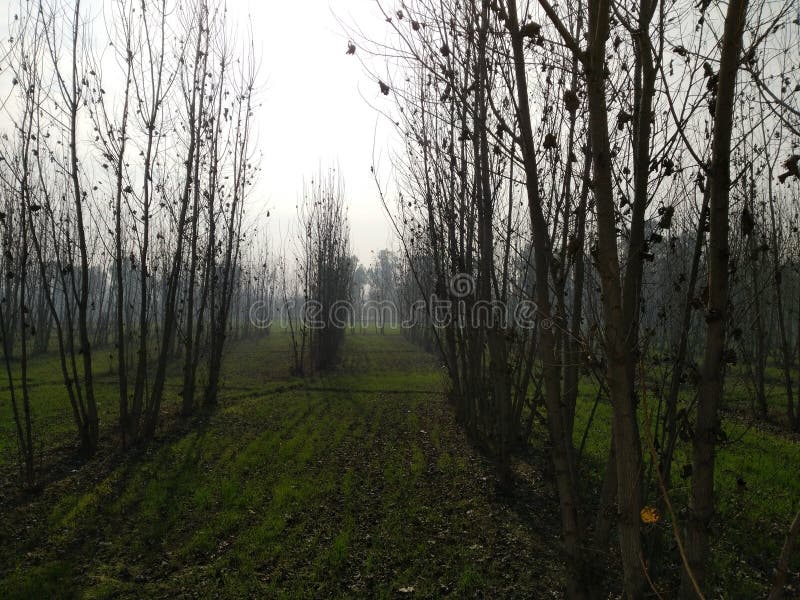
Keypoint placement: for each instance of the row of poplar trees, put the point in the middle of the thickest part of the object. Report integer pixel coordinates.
(318, 289)
(590, 157)
(126, 164)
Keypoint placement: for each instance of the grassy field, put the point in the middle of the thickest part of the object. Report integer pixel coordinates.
(53, 422)
(757, 488)
(353, 484)
(356, 483)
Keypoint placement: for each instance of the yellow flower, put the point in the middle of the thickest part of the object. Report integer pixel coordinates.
(650, 514)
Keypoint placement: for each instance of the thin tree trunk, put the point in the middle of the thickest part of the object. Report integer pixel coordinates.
(670, 437)
(710, 393)
(78, 199)
(560, 437)
(627, 444)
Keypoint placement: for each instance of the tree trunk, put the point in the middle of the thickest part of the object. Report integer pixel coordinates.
(560, 437)
(627, 444)
(710, 393)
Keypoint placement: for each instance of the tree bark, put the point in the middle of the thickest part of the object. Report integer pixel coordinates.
(710, 392)
(560, 437)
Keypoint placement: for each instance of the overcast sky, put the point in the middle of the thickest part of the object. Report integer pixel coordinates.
(315, 107)
(315, 110)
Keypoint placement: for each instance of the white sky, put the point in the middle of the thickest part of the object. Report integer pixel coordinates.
(315, 110)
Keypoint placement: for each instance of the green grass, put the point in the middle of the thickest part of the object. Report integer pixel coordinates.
(357, 483)
(352, 483)
(52, 418)
(751, 525)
